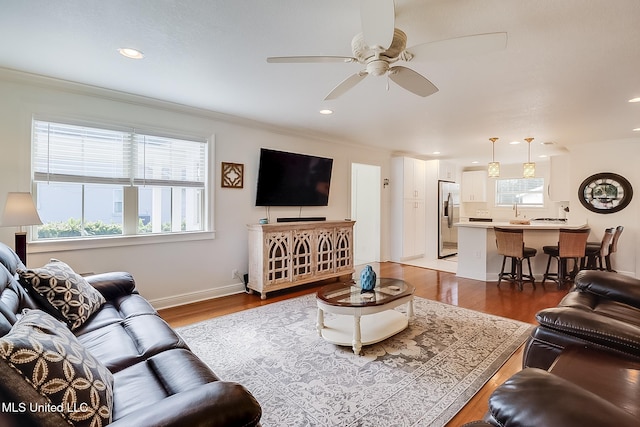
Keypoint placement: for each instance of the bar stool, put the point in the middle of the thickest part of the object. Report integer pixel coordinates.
(614, 247)
(510, 243)
(595, 255)
(572, 244)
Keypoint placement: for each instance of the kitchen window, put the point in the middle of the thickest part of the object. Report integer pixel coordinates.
(96, 182)
(526, 192)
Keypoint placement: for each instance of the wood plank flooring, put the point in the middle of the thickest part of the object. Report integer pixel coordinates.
(486, 297)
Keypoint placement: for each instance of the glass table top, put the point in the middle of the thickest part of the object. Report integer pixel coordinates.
(351, 295)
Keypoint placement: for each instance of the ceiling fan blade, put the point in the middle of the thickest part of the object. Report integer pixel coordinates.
(378, 22)
(345, 85)
(460, 47)
(308, 59)
(412, 81)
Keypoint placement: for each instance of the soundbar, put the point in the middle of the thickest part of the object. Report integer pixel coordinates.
(302, 219)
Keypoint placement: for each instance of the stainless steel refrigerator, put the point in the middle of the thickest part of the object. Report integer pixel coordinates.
(448, 214)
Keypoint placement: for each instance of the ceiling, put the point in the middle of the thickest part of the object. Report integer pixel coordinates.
(565, 78)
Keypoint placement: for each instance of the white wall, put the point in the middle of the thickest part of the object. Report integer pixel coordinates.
(619, 156)
(171, 272)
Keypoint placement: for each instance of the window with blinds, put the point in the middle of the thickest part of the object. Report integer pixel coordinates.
(82, 173)
(523, 191)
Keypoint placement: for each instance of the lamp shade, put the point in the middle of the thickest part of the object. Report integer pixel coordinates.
(20, 210)
(494, 169)
(529, 170)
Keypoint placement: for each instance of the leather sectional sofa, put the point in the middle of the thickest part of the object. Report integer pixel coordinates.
(581, 364)
(602, 312)
(143, 367)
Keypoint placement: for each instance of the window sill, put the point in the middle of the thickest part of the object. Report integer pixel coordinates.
(42, 246)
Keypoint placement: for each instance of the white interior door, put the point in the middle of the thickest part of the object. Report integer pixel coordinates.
(365, 210)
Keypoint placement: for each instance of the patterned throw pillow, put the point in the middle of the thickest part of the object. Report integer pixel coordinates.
(72, 298)
(53, 377)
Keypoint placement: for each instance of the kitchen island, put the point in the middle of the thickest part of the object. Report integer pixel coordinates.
(478, 256)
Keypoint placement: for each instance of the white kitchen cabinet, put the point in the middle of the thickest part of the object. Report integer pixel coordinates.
(559, 187)
(447, 171)
(474, 186)
(408, 208)
(413, 178)
(413, 239)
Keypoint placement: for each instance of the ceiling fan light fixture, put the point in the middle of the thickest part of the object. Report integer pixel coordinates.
(529, 168)
(493, 169)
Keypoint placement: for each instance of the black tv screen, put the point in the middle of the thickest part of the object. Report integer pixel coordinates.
(290, 179)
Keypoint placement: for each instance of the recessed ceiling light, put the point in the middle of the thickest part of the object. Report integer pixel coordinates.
(475, 162)
(436, 152)
(636, 130)
(326, 111)
(542, 156)
(635, 99)
(131, 53)
(514, 142)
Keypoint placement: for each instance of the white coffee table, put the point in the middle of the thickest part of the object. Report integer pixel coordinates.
(363, 318)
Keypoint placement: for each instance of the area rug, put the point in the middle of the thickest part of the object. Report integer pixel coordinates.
(420, 377)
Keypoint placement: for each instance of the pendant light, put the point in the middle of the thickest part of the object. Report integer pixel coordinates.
(529, 168)
(494, 167)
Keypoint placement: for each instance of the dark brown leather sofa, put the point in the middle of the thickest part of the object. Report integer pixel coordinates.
(602, 311)
(598, 324)
(157, 380)
(536, 398)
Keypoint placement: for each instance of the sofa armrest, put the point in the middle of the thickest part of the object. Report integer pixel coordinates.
(610, 285)
(533, 398)
(216, 404)
(113, 285)
(592, 327)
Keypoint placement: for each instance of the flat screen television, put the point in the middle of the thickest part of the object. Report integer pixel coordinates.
(291, 179)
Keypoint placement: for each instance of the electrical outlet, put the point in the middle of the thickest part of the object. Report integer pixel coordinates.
(234, 273)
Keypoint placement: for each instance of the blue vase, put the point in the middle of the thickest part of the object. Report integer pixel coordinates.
(367, 279)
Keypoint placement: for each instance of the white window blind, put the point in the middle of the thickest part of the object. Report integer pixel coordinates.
(169, 162)
(523, 191)
(71, 153)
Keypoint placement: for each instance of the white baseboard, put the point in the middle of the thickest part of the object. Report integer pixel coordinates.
(191, 297)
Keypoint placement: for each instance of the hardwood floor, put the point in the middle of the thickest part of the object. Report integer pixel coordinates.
(486, 297)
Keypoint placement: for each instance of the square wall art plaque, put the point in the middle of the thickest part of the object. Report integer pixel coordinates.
(232, 175)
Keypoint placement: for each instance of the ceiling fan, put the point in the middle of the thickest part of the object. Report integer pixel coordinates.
(381, 44)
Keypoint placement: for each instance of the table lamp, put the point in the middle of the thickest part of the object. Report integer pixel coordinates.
(19, 211)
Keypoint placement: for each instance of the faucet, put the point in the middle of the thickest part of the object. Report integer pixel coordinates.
(515, 208)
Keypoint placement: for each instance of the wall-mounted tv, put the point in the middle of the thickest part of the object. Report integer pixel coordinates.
(291, 179)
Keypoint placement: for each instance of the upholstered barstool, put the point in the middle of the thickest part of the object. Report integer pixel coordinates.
(572, 244)
(595, 254)
(510, 243)
(613, 247)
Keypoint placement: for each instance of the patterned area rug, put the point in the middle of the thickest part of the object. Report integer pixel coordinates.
(420, 377)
